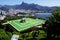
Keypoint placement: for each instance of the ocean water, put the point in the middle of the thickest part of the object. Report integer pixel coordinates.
(43, 15)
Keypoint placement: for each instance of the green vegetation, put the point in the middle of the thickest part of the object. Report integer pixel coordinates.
(34, 35)
(53, 25)
(4, 35)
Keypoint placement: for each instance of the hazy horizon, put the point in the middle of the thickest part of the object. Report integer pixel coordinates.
(48, 3)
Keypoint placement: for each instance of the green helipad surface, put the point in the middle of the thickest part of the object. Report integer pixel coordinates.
(27, 24)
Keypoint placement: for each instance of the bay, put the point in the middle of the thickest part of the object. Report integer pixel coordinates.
(43, 15)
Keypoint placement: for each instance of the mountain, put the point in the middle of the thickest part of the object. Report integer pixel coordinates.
(4, 8)
(0, 5)
(27, 6)
(35, 7)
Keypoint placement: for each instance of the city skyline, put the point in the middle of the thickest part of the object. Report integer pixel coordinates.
(39, 2)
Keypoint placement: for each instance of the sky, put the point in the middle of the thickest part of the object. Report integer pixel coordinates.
(39, 2)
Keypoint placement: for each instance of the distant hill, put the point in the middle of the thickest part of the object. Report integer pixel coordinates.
(4, 8)
(27, 6)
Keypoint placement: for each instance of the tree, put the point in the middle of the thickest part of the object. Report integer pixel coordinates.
(5, 35)
(53, 25)
(56, 14)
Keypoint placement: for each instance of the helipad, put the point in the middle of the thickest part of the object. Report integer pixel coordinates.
(27, 24)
